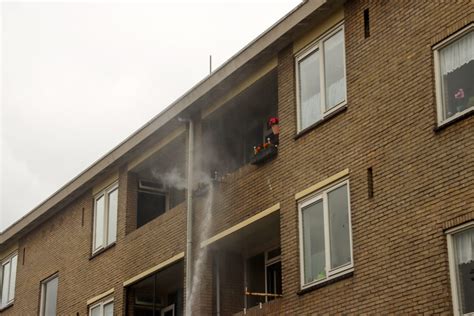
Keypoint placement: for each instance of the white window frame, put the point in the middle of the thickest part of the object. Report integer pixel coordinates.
(101, 304)
(43, 289)
(104, 193)
(317, 45)
(269, 262)
(439, 95)
(452, 265)
(167, 309)
(330, 274)
(5, 261)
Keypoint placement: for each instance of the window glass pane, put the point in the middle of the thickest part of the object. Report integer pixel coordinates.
(5, 281)
(457, 71)
(313, 242)
(99, 222)
(309, 90)
(51, 296)
(95, 311)
(464, 247)
(339, 238)
(274, 279)
(11, 294)
(255, 267)
(150, 205)
(334, 70)
(112, 233)
(109, 309)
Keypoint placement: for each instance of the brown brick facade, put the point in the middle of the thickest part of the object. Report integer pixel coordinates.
(423, 185)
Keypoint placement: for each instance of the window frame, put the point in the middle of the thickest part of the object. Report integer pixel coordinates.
(437, 72)
(104, 193)
(318, 45)
(43, 292)
(321, 195)
(5, 261)
(160, 191)
(452, 264)
(101, 303)
(269, 262)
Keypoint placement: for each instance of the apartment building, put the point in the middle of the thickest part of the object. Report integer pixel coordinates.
(328, 167)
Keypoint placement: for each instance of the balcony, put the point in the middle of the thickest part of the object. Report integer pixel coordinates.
(237, 133)
(247, 267)
(158, 183)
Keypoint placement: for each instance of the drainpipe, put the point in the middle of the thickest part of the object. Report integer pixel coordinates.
(189, 213)
(218, 286)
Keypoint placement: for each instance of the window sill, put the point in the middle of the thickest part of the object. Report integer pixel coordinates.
(316, 286)
(468, 113)
(321, 122)
(2, 309)
(95, 254)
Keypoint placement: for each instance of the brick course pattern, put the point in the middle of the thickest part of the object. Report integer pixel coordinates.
(423, 185)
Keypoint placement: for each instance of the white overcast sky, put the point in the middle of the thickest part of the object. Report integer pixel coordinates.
(79, 77)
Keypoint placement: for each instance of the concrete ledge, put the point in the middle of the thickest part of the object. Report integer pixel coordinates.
(321, 184)
(99, 297)
(241, 225)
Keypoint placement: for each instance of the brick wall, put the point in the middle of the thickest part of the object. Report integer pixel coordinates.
(62, 244)
(423, 184)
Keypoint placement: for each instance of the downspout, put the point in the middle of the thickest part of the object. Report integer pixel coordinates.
(218, 286)
(189, 213)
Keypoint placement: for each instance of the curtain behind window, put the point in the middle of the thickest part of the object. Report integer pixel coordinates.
(457, 53)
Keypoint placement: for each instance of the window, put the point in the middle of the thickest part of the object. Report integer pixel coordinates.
(263, 276)
(8, 280)
(454, 67)
(325, 235)
(321, 78)
(49, 296)
(160, 294)
(103, 308)
(461, 264)
(152, 201)
(273, 273)
(105, 218)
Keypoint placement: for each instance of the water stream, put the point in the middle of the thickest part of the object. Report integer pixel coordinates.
(201, 253)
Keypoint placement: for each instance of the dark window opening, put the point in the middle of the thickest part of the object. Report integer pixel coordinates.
(263, 278)
(370, 182)
(150, 205)
(366, 23)
(274, 279)
(255, 279)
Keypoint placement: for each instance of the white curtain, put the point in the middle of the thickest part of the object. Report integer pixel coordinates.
(310, 110)
(457, 53)
(334, 70)
(465, 246)
(336, 92)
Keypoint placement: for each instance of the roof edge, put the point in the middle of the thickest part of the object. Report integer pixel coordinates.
(235, 62)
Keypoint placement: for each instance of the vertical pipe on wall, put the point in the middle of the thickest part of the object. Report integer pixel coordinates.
(218, 286)
(189, 213)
